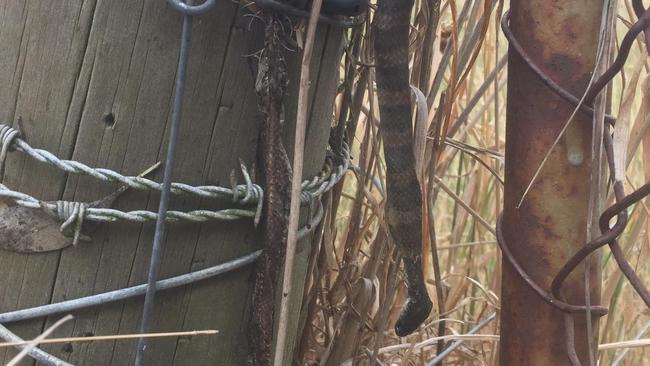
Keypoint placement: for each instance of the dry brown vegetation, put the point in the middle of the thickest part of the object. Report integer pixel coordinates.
(355, 288)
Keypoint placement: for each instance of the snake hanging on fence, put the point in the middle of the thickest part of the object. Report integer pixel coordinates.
(404, 198)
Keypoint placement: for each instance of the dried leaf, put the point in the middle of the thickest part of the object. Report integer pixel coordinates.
(26, 230)
(622, 127)
(29, 230)
(374, 309)
(420, 132)
(299, 31)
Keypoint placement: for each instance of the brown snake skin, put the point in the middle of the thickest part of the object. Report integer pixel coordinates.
(276, 176)
(404, 198)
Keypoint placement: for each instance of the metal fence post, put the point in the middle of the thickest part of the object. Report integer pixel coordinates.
(561, 37)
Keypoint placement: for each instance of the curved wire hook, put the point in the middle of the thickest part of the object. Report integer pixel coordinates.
(191, 9)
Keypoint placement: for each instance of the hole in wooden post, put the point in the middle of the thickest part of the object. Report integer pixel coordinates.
(109, 120)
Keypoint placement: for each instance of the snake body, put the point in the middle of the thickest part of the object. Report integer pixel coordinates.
(271, 87)
(404, 198)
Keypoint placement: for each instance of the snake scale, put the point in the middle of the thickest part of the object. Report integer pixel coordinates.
(404, 198)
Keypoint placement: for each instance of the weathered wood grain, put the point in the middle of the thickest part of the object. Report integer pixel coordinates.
(93, 81)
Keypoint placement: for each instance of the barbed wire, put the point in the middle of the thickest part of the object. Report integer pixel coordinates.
(72, 212)
(169, 283)
(65, 210)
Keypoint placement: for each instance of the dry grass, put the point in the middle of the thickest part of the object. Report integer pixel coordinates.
(355, 289)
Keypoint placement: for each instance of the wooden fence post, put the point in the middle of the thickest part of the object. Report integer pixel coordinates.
(92, 81)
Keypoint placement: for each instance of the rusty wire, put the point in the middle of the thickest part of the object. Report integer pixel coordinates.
(609, 234)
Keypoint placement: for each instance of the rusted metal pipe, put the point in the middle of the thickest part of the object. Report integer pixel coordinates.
(550, 225)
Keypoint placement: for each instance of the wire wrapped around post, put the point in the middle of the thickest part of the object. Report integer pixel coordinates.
(618, 209)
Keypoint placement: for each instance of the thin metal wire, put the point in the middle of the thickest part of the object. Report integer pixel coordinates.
(189, 9)
(7, 136)
(159, 235)
(35, 353)
(126, 293)
(245, 194)
(111, 215)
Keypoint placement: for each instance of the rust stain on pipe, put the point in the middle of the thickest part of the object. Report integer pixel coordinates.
(550, 226)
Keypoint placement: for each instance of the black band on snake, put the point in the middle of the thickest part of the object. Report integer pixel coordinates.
(404, 198)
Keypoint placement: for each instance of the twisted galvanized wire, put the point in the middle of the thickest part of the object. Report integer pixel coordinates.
(36, 353)
(247, 193)
(68, 211)
(7, 137)
(64, 210)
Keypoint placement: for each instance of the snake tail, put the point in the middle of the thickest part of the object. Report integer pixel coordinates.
(404, 198)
